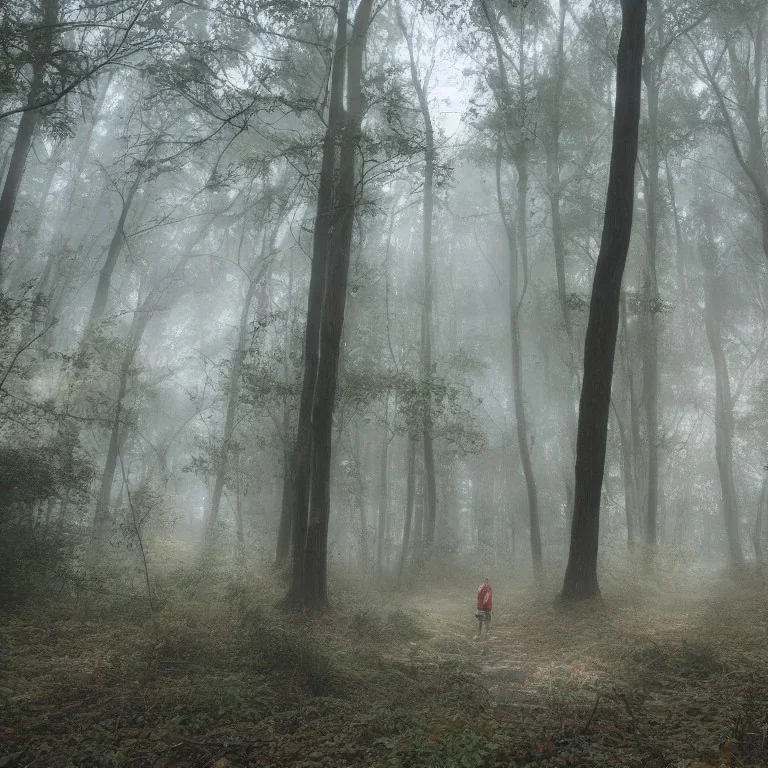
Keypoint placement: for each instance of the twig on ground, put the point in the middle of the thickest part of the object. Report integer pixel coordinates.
(591, 715)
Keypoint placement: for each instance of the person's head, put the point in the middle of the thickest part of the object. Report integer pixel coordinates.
(485, 580)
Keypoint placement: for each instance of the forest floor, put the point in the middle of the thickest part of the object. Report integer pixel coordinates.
(668, 679)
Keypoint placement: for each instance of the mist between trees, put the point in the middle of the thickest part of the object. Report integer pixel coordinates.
(343, 286)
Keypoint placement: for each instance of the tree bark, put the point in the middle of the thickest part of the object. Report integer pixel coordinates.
(410, 488)
(713, 320)
(21, 145)
(27, 123)
(628, 434)
(314, 586)
(517, 241)
(580, 580)
(115, 248)
(302, 462)
(650, 345)
(553, 178)
(757, 536)
(383, 497)
(430, 483)
(516, 361)
(283, 549)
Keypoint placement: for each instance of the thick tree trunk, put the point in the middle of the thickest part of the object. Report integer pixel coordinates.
(713, 320)
(580, 580)
(314, 586)
(302, 462)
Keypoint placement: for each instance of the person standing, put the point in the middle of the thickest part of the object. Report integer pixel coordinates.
(484, 607)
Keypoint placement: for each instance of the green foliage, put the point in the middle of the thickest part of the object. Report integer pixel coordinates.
(449, 401)
(31, 474)
(37, 563)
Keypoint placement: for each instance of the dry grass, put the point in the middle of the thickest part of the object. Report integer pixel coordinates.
(658, 679)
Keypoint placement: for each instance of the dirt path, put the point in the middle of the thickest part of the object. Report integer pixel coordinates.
(675, 681)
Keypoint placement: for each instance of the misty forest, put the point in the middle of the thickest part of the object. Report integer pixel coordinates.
(317, 314)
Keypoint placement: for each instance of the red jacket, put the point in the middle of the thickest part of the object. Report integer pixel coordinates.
(484, 598)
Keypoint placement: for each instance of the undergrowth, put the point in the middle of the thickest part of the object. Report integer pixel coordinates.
(220, 677)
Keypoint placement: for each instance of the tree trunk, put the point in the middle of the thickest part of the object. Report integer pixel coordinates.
(682, 277)
(141, 317)
(410, 488)
(138, 326)
(553, 178)
(554, 188)
(105, 273)
(713, 319)
(430, 484)
(650, 345)
(580, 580)
(30, 248)
(628, 435)
(383, 497)
(49, 11)
(517, 240)
(239, 511)
(302, 462)
(21, 145)
(314, 587)
(233, 391)
(283, 549)
(513, 240)
(757, 537)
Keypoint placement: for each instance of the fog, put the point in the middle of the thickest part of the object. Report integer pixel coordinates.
(313, 315)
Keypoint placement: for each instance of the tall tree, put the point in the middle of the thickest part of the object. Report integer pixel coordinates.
(724, 423)
(745, 27)
(580, 580)
(334, 221)
(513, 116)
(42, 38)
(421, 88)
